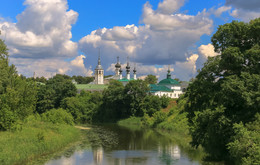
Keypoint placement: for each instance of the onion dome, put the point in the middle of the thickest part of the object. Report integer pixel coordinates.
(127, 66)
(134, 70)
(118, 65)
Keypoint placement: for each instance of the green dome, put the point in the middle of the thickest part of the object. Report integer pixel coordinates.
(168, 81)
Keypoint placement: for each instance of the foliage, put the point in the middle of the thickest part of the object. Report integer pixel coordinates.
(82, 80)
(245, 144)
(45, 98)
(56, 89)
(131, 122)
(57, 116)
(35, 141)
(135, 92)
(177, 120)
(159, 117)
(121, 102)
(151, 104)
(17, 95)
(227, 89)
(147, 121)
(151, 79)
(83, 106)
(165, 101)
(41, 79)
(112, 107)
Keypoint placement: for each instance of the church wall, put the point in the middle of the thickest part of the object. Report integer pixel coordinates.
(174, 94)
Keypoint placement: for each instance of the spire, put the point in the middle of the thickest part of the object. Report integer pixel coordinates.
(127, 66)
(118, 63)
(99, 56)
(168, 74)
(99, 61)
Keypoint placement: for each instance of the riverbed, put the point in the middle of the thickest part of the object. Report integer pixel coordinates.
(111, 144)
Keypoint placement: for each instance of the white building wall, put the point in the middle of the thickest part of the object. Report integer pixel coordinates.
(174, 94)
(99, 77)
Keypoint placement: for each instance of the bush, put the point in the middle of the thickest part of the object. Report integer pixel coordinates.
(147, 121)
(58, 116)
(245, 145)
(159, 117)
(7, 118)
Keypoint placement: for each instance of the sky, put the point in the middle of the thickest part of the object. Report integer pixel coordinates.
(64, 36)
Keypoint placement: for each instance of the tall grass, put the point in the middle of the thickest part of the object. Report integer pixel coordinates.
(35, 140)
(133, 123)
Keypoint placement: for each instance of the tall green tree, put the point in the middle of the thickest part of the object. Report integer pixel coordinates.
(227, 89)
(135, 92)
(151, 79)
(113, 106)
(17, 95)
(54, 91)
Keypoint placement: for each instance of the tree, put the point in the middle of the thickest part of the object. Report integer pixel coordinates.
(135, 92)
(82, 80)
(63, 88)
(82, 107)
(151, 79)
(51, 94)
(226, 90)
(113, 107)
(17, 95)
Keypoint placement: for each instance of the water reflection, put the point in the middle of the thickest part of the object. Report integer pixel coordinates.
(131, 147)
(98, 155)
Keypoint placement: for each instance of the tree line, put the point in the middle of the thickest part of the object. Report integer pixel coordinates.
(57, 97)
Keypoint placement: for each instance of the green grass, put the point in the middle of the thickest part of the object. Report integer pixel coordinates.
(90, 87)
(35, 141)
(132, 122)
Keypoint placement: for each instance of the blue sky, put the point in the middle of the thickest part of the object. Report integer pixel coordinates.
(60, 36)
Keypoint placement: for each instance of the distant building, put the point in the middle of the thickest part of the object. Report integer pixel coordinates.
(99, 73)
(167, 87)
(74, 81)
(126, 79)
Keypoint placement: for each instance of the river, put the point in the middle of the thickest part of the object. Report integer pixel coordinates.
(116, 145)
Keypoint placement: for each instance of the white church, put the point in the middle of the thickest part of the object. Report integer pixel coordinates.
(166, 87)
(99, 73)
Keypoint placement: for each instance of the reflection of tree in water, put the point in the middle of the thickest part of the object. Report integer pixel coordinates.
(97, 155)
(100, 137)
(137, 139)
(169, 154)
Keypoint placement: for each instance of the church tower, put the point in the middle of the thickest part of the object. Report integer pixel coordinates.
(120, 74)
(128, 69)
(169, 73)
(99, 73)
(134, 73)
(118, 67)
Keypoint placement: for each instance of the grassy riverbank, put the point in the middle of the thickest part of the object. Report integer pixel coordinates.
(35, 141)
(132, 122)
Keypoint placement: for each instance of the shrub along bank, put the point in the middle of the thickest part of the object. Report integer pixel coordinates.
(37, 138)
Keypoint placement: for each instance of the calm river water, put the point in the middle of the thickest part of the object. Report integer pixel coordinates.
(117, 145)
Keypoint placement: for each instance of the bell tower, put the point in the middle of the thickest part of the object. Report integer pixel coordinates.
(99, 72)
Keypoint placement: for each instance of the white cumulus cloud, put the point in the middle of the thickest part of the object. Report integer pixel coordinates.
(164, 38)
(40, 40)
